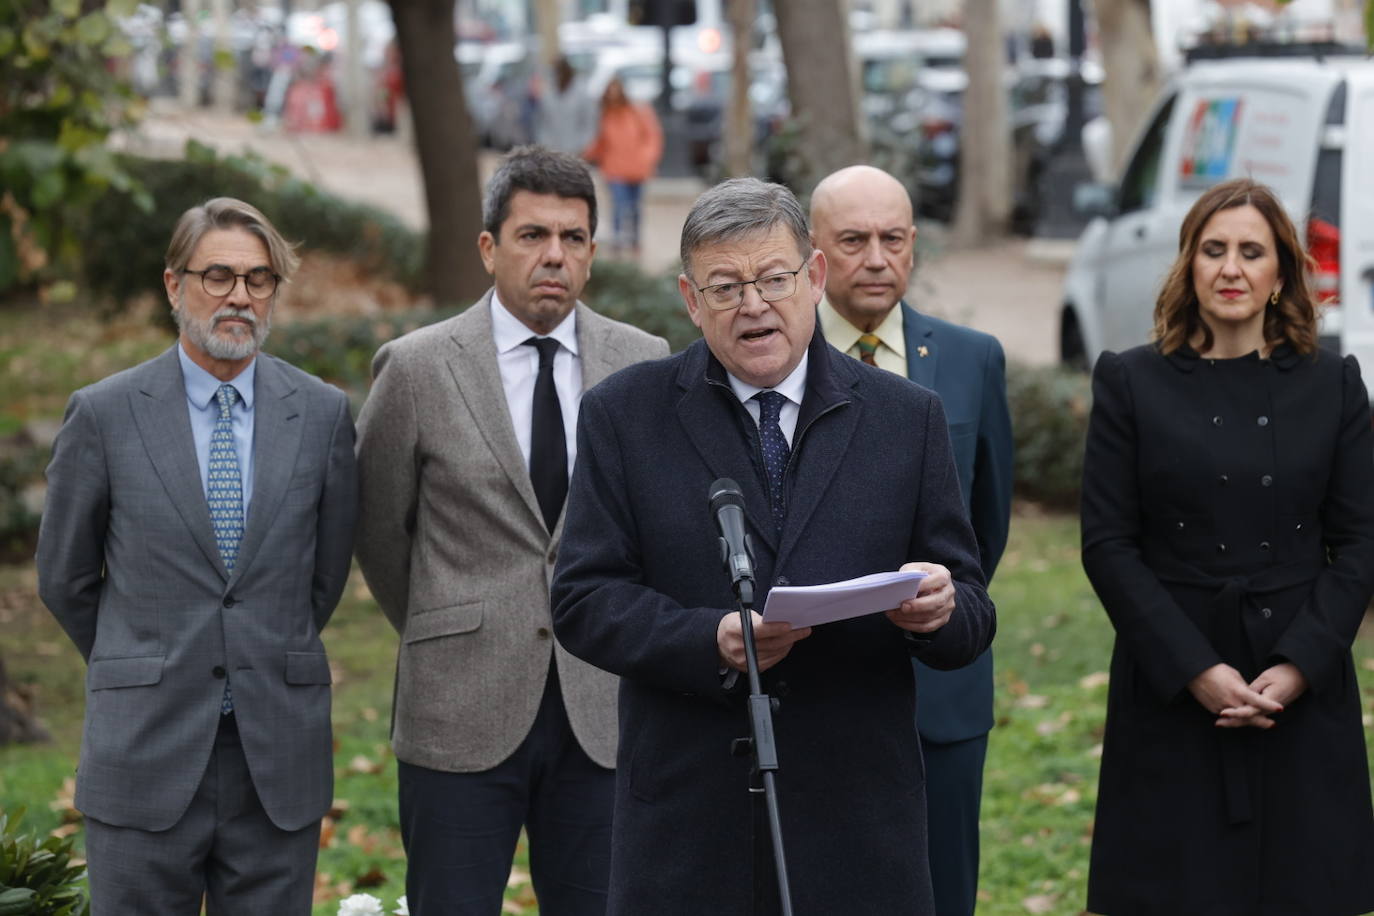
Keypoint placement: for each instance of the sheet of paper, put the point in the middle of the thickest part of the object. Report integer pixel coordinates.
(809, 605)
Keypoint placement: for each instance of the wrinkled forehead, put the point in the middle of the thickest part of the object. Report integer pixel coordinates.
(748, 254)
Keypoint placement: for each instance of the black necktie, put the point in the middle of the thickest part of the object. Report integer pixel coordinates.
(548, 446)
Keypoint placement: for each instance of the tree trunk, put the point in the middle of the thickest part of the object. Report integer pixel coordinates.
(984, 206)
(546, 21)
(446, 146)
(17, 722)
(822, 87)
(1130, 63)
(739, 126)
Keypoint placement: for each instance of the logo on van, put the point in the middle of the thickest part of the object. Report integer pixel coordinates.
(1208, 142)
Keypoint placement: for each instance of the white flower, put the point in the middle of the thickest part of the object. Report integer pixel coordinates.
(402, 908)
(361, 905)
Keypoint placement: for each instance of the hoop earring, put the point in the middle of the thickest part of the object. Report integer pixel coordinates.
(1274, 297)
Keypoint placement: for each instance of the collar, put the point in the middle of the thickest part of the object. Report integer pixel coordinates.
(510, 332)
(1186, 359)
(843, 335)
(793, 387)
(201, 386)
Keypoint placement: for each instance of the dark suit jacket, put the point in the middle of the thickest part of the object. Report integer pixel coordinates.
(967, 369)
(639, 590)
(127, 563)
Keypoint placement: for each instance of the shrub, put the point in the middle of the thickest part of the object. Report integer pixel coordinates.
(21, 469)
(37, 877)
(123, 247)
(650, 302)
(1049, 416)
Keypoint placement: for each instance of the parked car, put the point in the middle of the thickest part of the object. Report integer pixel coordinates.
(1302, 124)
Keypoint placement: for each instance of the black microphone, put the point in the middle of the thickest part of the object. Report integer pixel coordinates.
(736, 547)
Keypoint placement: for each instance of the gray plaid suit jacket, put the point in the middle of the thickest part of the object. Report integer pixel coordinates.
(127, 562)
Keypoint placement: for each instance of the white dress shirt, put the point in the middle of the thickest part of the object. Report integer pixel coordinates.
(519, 366)
(793, 388)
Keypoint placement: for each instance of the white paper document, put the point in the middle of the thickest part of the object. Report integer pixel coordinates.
(809, 605)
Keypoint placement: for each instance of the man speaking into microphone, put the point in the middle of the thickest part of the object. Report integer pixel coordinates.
(835, 485)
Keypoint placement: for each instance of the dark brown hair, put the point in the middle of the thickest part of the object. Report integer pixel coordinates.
(1293, 320)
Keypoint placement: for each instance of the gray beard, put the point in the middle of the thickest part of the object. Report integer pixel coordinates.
(218, 346)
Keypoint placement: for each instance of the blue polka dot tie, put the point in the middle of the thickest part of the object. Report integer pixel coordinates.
(775, 449)
(225, 495)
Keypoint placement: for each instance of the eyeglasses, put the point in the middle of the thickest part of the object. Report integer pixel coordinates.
(218, 280)
(724, 296)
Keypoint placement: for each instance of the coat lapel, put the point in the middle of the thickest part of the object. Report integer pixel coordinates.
(164, 424)
(277, 431)
(825, 426)
(920, 339)
(707, 408)
(472, 362)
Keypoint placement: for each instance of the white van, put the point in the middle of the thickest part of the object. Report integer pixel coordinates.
(1304, 126)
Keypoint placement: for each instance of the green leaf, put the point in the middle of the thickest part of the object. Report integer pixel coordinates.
(7, 42)
(93, 28)
(67, 9)
(120, 9)
(62, 291)
(117, 46)
(224, 59)
(35, 42)
(1369, 25)
(48, 189)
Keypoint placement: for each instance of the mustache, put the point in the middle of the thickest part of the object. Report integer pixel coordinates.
(229, 312)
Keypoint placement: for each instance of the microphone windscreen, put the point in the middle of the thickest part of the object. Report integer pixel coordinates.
(725, 492)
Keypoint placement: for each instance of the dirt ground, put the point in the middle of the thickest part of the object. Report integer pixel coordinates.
(1010, 288)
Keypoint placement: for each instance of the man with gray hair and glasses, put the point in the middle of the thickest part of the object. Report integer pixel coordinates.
(845, 470)
(196, 539)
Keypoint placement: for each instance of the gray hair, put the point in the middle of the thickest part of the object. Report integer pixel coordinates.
(538, 170)
(229, 213)
(738, 208)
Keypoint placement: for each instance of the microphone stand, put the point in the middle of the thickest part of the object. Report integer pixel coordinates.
(761, 745)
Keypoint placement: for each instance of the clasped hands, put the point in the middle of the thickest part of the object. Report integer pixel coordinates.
(1223, 692)
(926, 613)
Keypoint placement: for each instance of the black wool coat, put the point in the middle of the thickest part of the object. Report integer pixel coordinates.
(1228, 516)
(639, 590)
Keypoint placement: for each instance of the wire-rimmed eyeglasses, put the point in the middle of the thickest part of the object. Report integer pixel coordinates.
(724, 296)
(218, 280)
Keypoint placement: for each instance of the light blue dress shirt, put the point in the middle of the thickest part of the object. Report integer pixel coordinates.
(201, 387)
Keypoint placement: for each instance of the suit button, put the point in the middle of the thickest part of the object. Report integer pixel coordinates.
(1298, 527)
(1266, 613)
(218, 671)
(1216, 421)
(1178, 525)
(1221, 548)
(783, 580)
(1266, 481)
(1223, 480)
(1263, 421)
(229, 601)
(543, 632)
(1264, 545)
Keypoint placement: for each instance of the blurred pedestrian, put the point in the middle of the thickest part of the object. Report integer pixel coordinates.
(566, 116)
(197, 535)
(1228, 528)
(627, 147)
(861, 218)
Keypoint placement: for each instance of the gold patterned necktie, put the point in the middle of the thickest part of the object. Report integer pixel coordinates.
(868, 345)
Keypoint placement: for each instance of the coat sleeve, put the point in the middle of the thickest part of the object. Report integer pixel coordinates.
(990, 503)
(71, 538)
(338, 513)
(388, 484)
(942, 534)
(603, 612)
(1322, 632)
(1162, 640)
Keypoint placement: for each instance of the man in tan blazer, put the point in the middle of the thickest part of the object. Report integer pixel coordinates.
(464, 449)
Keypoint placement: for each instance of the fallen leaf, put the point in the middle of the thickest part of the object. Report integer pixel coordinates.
(373, 877)
(369, 714)
(1095, 751)
(339, 808)
(65, 830)
(1037, 650)
(364, 765)
(1040, 903)
(518, 877)
(1032, 701)
(1094, 680)
(326, 832)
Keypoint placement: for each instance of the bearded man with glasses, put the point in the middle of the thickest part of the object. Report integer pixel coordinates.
(196, 539)
(845, 470)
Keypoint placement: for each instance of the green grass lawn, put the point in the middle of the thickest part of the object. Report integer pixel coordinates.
(1052, 652)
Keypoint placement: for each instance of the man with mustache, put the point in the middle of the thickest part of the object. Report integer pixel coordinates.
(465, 446)
(196, 539)
(861, 218)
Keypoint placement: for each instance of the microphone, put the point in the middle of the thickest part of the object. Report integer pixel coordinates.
(736, 547)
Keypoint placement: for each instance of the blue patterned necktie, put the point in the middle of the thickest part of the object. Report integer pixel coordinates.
(225, 495)
(775, 449)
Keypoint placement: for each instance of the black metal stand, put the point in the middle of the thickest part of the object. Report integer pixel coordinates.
(760, 745)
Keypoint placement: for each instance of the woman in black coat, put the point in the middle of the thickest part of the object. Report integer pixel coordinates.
(1228, 527)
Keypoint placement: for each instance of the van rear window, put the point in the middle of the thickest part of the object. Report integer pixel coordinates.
(1326, 187)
